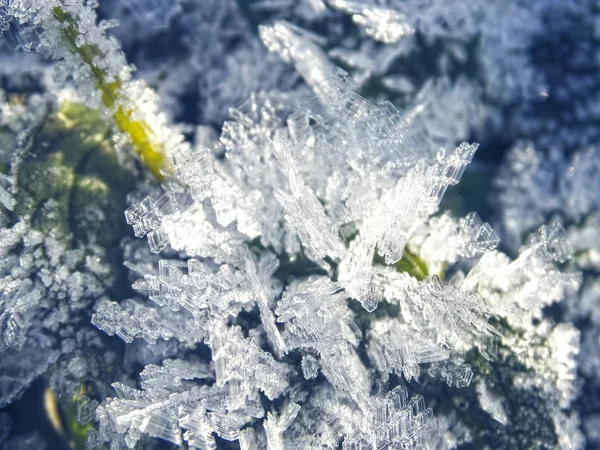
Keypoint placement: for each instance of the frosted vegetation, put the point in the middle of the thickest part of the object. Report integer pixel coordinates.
(255, 225)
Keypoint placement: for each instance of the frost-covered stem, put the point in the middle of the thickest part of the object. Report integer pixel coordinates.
(138, 130)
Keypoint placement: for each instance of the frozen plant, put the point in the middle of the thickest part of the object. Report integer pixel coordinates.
(311, 288)
(348, 190)
(67, 32)
(60, 212)
(534, 187)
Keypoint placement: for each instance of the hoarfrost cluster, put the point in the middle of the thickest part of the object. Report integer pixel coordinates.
(299, 267)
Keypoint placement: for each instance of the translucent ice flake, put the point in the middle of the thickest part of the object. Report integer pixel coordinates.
(395, 217)
(18, 297)
(244, 367)
(194, 297)
(316, 318)
(305, 213)
(491, 403)
(86, 409)
(387, 229)
(305, 298)
(259, 275)
(146, 216)
(173, 371)
(275, 425)
(355, 272)
(163, 412)
(195, 232)
(479, 237)
(454, 373)
(552, 239)
(393, 421)
(130, 320)
(167, 287)
(310, 367)
(372, 138)
(300, 47)
(529, 283)
(393, 347)
(385, 25)
(444, 239)
(196, 169)
(459, 317)
(454, 163)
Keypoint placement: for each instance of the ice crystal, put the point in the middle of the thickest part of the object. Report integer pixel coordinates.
(388, 181)
(296, 45)
(54, 266)
(380, 177)
(491, 404)
(395, 421)
(393, 348)
(385, 25)
(512, 291)
(457, 23)
(303, 272)
(275, 426)
(151, 16)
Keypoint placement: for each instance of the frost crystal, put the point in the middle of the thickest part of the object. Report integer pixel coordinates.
(491, 403)
(337, 164)
(275, 426)
(395, 421)
(375, 174)
(313, 262)
(385, 25)
(528, 283)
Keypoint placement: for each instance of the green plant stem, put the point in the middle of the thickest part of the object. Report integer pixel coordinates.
(138, 130)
